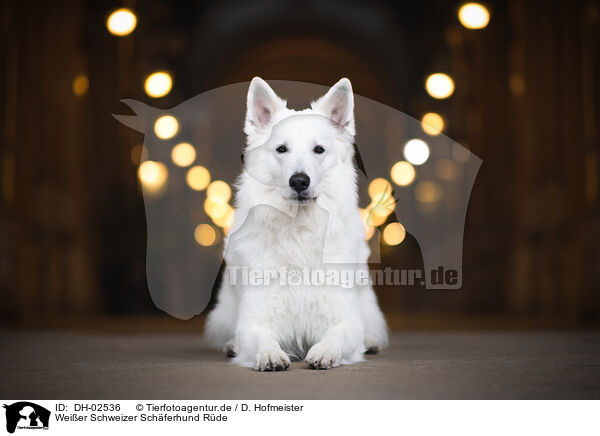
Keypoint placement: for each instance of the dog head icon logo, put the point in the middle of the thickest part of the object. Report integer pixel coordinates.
(408, 177)
(26, 415)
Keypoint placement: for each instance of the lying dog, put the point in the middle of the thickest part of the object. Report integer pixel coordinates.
(297, 209)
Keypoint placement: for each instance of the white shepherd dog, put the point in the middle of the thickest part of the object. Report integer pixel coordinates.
(297, 208)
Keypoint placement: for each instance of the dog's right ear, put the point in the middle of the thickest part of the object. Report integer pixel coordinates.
(262, 103)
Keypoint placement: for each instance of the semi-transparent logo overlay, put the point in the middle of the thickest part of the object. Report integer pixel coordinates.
(412, 179)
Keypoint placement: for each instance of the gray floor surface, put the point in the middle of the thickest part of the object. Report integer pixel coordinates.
(418, 365)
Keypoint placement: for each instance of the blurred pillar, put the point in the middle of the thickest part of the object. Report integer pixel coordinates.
(46, 264)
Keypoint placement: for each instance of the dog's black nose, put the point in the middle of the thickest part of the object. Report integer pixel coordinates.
(299, 182)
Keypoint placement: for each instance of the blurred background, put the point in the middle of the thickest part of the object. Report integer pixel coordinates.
(517, 82)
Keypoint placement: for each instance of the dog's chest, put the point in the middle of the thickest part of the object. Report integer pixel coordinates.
(276, 240)
(291, 244)
(299, 245)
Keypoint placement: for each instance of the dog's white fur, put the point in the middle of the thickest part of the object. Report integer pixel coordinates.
(326, 326)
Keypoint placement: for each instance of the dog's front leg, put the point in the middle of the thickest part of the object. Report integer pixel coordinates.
(256, 346)
(339, 343)
(255, 337)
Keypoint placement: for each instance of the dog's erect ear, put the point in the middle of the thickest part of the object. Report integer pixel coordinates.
(263, 103)
(338, 105)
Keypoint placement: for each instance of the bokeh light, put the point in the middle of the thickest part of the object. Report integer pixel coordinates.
(432, 123)
(384, 199)
(402, 173)
(138, 154)
(379, 186)
(198, 178)
(205, 235)
(394, 234)
(183, 154)
(121, 22)
(416, 151)
(446, 169)
(517, 85)
(81, 85)
(158, 84)
(166, 127)
(439, 85)
(378, 215)
(218, 192)
(369, 232)
(428, 192)
(153, 175)
(460, 154)
(223, 217)
(473, 16)
(215, 210)
(382, 204)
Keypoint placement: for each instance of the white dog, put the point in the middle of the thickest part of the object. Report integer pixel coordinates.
(297, 208)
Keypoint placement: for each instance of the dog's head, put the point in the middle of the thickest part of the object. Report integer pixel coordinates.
(300, 154)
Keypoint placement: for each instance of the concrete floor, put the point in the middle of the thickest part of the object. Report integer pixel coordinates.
(434, 365)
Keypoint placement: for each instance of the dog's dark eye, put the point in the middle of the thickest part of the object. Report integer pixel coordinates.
(318, 149)
(281, 149)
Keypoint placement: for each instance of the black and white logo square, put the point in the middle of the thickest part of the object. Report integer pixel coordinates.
(26, 415)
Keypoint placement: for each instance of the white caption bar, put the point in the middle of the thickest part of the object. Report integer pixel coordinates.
(301, 417)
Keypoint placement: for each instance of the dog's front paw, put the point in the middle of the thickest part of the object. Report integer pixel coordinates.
(271, 360)
(371, 345)
(229, 349)
(322, 356)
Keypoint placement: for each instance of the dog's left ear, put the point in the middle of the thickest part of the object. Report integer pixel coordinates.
(338, 105)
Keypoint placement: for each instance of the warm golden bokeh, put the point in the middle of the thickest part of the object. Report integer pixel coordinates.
(369, 232)
(382, 204)
(364, 216)
(121, 22)
(81, 85)
(215, 210)
(432, 123)
(473, 16)
(377, 216)
(218, 192)
(403, 173)
(198, 178)
(379, 186)
(394, 234)
(445, 169)
(183, 154)
(153, 175)
(205, 235)
(439, 85)
(166, 127)
(224, 218)
(158, 84)
(428, 191)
